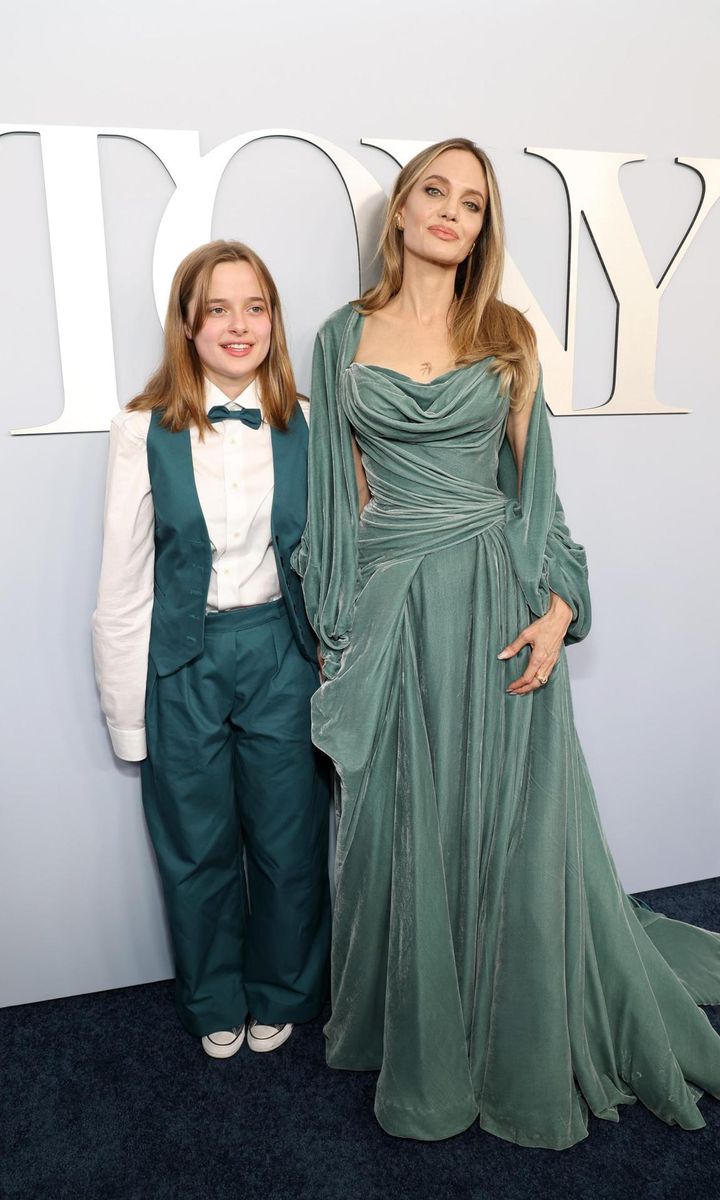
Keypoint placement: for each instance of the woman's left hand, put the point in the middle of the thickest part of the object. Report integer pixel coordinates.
(546, 637)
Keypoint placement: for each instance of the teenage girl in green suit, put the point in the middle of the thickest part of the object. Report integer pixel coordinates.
(206, 662)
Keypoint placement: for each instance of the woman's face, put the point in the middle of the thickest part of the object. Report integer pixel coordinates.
(444, 210)
(234, 338)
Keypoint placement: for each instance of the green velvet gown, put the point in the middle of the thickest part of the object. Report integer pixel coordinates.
(486, 960)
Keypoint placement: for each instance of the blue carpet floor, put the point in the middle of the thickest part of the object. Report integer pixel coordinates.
(105, 1096)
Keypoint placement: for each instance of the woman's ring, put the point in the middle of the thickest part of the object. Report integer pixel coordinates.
(542, 679)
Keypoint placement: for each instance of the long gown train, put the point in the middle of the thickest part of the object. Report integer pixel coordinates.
(485, 957)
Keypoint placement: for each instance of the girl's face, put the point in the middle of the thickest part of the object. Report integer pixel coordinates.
(234, 338)
(444, 210)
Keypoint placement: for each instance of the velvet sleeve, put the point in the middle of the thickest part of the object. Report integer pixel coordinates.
(544, 555)
(326, 557)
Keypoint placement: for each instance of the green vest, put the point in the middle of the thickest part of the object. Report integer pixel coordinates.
(183, 555)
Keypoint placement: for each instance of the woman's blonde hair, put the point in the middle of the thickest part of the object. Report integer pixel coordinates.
(178, 385)
(481, 325)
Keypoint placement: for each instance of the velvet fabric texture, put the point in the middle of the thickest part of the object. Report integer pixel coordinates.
(485, 957)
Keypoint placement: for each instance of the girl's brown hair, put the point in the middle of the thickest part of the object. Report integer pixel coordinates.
(481, 325)
(178, 385)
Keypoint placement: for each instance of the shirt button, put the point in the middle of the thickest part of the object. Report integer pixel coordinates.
(236, 486)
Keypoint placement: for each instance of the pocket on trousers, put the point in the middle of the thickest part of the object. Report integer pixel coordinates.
(282, 640)
(295, 675)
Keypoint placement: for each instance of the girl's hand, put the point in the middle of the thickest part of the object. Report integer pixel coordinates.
(546, 638)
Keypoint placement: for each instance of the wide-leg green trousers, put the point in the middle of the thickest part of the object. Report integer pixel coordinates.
(236, 800)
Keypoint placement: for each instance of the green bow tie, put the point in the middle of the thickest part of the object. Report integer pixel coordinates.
(248, 416)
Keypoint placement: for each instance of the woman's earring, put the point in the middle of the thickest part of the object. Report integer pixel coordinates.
(398, 222)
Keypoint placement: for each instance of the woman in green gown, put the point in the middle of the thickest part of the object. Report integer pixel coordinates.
(485, 957)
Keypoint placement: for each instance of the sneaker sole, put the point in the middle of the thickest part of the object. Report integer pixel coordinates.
(265, 1045)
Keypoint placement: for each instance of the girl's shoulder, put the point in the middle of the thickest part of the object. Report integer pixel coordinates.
(132, 423)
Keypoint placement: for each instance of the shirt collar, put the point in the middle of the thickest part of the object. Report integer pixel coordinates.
(246, 399)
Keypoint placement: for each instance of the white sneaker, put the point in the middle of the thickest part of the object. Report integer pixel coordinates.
(225, 1043)
(263, 1038)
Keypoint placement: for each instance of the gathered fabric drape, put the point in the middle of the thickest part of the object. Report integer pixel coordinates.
(486, 960)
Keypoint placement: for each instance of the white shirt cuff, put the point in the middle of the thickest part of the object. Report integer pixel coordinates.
(129, 744)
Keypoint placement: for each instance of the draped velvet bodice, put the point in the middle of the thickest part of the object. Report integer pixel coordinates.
(430, 453)
(405, 428)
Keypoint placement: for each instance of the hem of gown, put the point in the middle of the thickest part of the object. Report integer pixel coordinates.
(346, 1065)
(435, 1126)
(409, 1124)
(426, 1127)
(500, 1129)
(412, 1124)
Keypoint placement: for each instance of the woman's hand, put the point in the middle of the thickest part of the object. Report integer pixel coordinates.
(546, 638)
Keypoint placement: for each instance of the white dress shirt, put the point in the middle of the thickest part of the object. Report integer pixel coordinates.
(234, 478)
